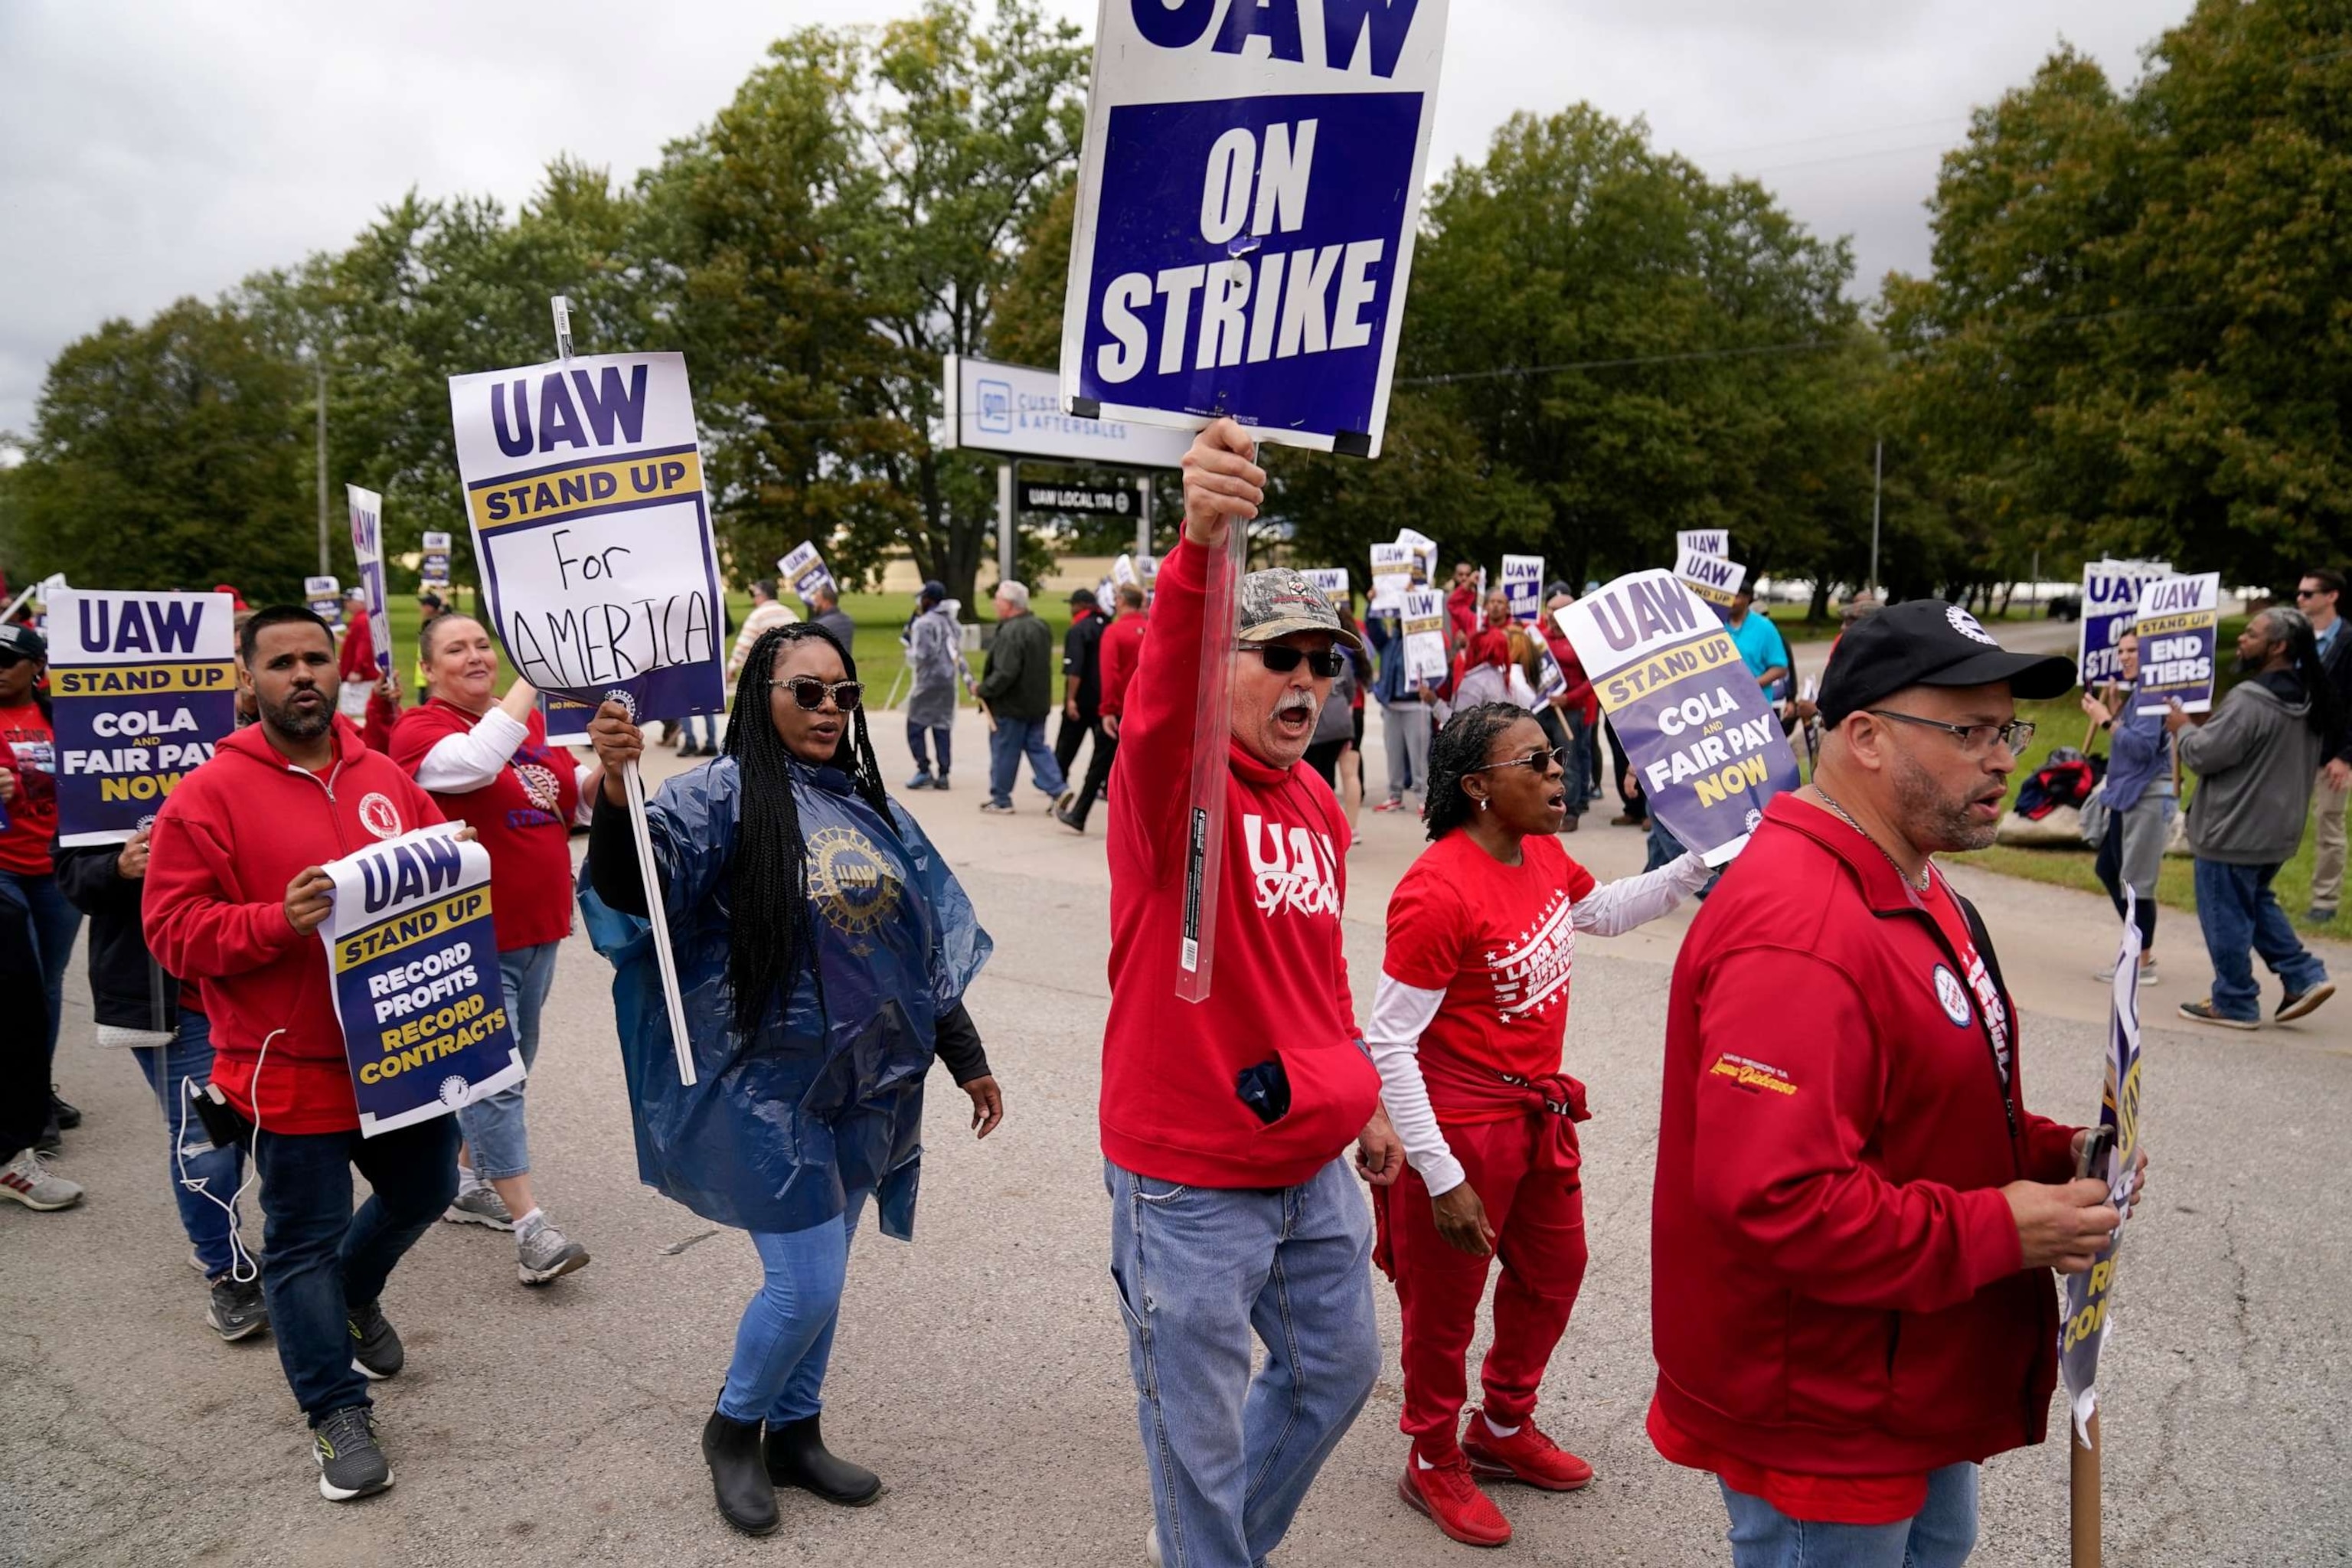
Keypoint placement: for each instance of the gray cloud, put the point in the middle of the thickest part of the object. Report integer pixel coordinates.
(169, 148)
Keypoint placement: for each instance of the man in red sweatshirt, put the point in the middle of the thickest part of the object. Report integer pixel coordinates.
(234, 894)
(1223, 1122)
(1855, 1217)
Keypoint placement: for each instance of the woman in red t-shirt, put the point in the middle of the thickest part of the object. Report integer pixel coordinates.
(28, 824)
(488, 763)
(1466, 1030)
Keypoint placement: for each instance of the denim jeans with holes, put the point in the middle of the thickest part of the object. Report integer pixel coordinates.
(1201, 1271)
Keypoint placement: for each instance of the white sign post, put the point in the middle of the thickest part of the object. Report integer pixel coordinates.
(1247, 202)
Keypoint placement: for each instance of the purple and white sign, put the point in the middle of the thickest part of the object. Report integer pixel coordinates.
(142, 686)
(1247, 203)
(2180, 627)
(1702, 737)
(2110, 605)
(367, 545)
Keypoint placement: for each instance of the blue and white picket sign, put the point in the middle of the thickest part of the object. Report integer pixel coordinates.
(1711, 577)
(804, 569)
(1714, 541)
(2110, 605)
(143, 686)
(1392, 569)
(1523, 587)
(1424, 634)
(2180, 627)
(415, 961)
(2083, 1329)
(1331, 581)
(433, 572)
(1699, 730)
(325, 597)
(591, 529)
(1247, 202)
(367, 544)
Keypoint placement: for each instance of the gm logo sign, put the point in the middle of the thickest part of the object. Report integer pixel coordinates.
(996, 407)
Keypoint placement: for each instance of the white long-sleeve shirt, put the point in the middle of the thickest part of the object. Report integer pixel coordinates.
(1402, 1013)
(457, 764)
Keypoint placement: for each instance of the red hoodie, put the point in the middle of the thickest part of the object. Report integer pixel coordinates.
(1170, 1106)
(226, 843)
(1122, 646)
(1835, 1284)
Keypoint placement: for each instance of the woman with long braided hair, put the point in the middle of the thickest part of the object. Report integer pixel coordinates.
(824, 950)
(1467, 1030)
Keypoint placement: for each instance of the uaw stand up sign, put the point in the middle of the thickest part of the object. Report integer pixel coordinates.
(1700, 732)
(143, 688)
(415, 967)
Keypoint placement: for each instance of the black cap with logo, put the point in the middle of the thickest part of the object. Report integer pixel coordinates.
(1926, 642)
(23, 642)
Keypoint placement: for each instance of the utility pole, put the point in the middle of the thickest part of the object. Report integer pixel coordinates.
(322, 468)
(1878, 484)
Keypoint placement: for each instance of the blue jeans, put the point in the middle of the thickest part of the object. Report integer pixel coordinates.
(169, 1069)
(1940, 1535)
(1199, 1269)
(917, 734)
(2237, 912)
(496, 1139)
(785, 1341)
(323, 1259)
(1012, 739)
(1579, 766)
(54, 922)
(702, 730)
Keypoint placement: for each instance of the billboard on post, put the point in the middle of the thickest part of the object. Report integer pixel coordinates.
(583, 483)
(1248, 197)
(1015, 411)
(1696, 728)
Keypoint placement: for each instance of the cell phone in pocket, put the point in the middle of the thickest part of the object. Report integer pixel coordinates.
(224, 1124)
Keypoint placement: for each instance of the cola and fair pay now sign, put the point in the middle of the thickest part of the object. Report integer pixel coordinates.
(1247, 201)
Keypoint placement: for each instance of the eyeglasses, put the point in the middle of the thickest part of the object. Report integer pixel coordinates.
(2309, 593)
(1976, 740)
(811, 693)
(1542, 762)
(1282, 658)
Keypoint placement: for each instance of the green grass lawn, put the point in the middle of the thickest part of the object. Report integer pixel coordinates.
(2060, 723)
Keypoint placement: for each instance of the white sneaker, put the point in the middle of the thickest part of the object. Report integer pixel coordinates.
(1151, 1548)
(480, 1205)
(29, 1181)
(543, 1254)
(2148, 975)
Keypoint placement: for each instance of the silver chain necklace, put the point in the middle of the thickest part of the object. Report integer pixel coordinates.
(1925, 871)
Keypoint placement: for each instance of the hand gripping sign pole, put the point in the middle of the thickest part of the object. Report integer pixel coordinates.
(1204, 814)
(640, 830)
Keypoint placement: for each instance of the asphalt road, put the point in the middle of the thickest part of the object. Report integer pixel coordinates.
(982, 1371)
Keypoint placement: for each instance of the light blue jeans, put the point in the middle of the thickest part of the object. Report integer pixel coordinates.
(785, 1341)
(1012, 739)
(168, 1069)
(1199, 1270)
(496, 1138)
(1940, 1535)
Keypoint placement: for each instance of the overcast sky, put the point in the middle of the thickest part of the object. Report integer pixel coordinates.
(166, 148)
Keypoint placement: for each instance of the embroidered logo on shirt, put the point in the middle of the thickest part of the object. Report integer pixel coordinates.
(1757, 1078)
(378, 815)
(1532, 978)
(1950, 997)
(1291, 868)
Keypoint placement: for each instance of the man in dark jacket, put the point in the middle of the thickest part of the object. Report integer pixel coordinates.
(1081, 686)
(2319, 597)
(1017, 689)
(1851, 1239)
(162, 1023)
(2255, 758)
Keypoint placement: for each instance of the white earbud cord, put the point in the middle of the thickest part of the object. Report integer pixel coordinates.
(242, 1268)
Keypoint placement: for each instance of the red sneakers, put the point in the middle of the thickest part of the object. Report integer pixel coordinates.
(1452, 1501)
(1526, 1455)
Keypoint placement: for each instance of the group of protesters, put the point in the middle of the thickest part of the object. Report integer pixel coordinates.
(1852, 1241)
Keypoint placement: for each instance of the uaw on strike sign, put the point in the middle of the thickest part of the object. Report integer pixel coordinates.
(415, 967)
(1702, 737)
(145, 687)
(1248, 197)
(583, 480)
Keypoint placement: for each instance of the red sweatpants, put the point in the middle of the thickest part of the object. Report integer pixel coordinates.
(1537, 1217)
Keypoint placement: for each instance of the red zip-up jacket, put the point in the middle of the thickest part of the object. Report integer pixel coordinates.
(1170, 1106)
(226, 843)
(1122, 648)
(1835, 1277)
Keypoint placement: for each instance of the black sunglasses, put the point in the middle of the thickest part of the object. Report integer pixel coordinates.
(810, 692)
(1282, 658)
(10, 658)
(1542, 762)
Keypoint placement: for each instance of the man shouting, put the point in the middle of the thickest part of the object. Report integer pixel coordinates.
(1223, 1124)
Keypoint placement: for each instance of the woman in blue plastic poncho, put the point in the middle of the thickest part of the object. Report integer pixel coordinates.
(823, 949)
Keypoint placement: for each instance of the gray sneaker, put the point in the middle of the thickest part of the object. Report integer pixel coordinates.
(543, 1255)
(27, 1178)
(236, 1309)
(2148, 975)
(480, 1205)
(351, 1464)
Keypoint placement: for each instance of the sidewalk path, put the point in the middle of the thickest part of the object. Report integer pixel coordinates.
(983, 1370)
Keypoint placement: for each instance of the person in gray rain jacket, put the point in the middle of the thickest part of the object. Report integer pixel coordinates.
(935, 661)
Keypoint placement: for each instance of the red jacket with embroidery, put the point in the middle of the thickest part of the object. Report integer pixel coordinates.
(1169, 1106)
(226, 843)
(1836, 1287)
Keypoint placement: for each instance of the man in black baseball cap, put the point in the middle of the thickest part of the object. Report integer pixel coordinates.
(1941, 1238)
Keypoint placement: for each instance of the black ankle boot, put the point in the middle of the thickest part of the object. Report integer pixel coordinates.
(737, 1475)
(797, 1457)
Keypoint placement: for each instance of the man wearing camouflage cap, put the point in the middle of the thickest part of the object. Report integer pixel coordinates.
(1223, 1124)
